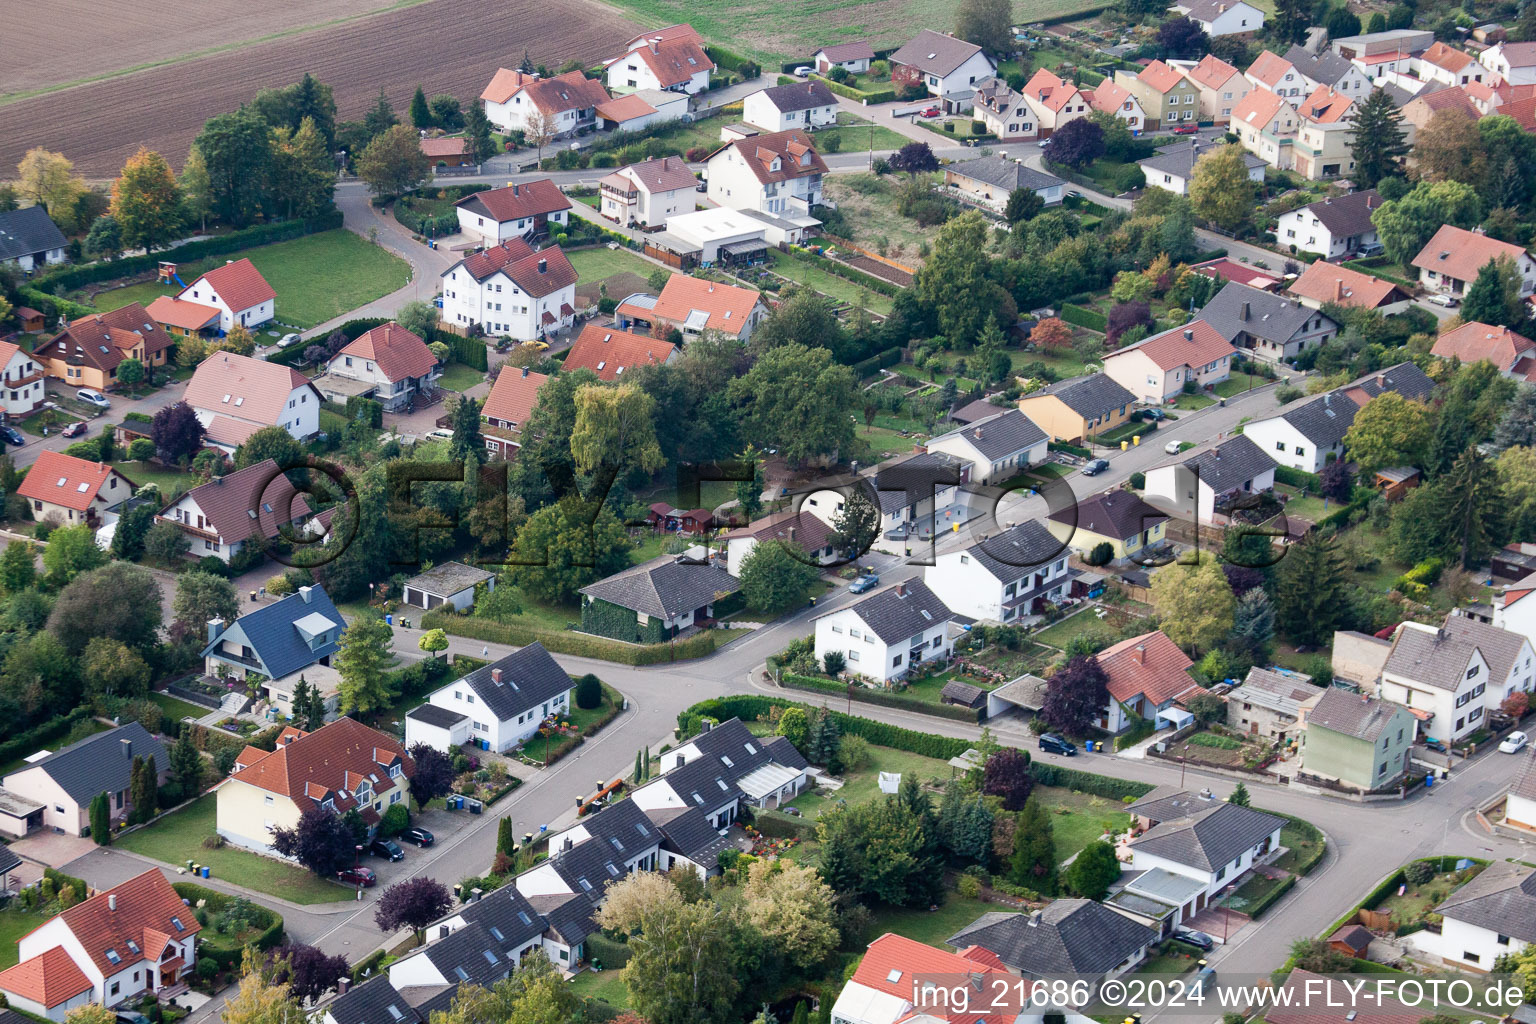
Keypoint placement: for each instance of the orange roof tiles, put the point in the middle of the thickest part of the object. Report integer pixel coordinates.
(1270, 68)
(624, 108)
(444, 147)
(1459, 254)
(244, 388)
(1258, 108)
(513, 396)
(1151, 665)
(519, 201)
(238, 283)
(777, 156)
(1195, 344)
(537, 272)
(892, 961)
(1212, 72)
(131, 911)
(48, 979)
(608, 351)
(72, 483)
(319, 762)
(1325, 106)
(1446, 57)
(728, 306)
(1108, 97)
(1329, 282)
(1048, 90)
(1160, 76)
(399, 352)
(1475, 342)
(570, 91)
(174, 312)
(682, 30)
(103, 340)
(673, 61)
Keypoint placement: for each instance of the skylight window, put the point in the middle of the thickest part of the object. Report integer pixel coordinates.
(522, 915)
(616, 844)
(112, 956)
(728, 762)
(698, 800)
(642, 829)
(723, 787)
(226, 399)
(496, 934)
(394, 1012)
(179, 926)
(62, 481)
(490, 957)
(83, 487)
(613, 871)
(462, 973)
(750, 748)
(895, 974)
(586, 886)
(133, 947)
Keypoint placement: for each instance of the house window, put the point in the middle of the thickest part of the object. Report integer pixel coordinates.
(267, 799)
(1471, 957)
(853, 655)
(1503, 940)
(896, 661)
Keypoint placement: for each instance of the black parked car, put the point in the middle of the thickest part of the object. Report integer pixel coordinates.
(1095, 467)
(1191, 937)
(420, 836)
(386, 848)
(13, 435)
(1057, 744)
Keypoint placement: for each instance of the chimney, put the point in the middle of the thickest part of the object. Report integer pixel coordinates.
(525, 371)
(1338, 289)
(514, 190)
(711, 287)
(1244, 315)
(543, 266)
(901, 589)
(476, 893)
(1381, 380)
(343, 983)
(567, 845)
(654, 43)
(1139, 654)
(1216, 453)
(215, 628)
(306, 593)
(127, 748)
(706, 725)
(111, 901)
(791, 533)
(1034, 919)
(978, 433)
(679, 761)
(218, 479)
(1189, 335)
(496, 676)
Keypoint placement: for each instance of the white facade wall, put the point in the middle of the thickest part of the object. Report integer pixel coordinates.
(732, 183)
(502, 734)
(500, 306)
(759, 110)
(1468, 946)
(867, 655)
(494, 232)
(251, 316)
(1457, 712)
(1288, 446)
(967, 588)
(1214, 881)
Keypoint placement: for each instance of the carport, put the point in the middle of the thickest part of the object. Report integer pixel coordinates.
(18, 815)
(1026, 692)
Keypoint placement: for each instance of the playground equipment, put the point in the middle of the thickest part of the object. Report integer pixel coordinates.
(168, 274)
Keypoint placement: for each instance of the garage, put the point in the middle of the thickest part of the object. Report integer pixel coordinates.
(452, 583)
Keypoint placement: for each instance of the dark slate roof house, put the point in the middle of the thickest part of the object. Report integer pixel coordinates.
(1210, 837)
(1004, 173)
(1070, 936)
(900, 611)
(1117, 514)
(1024, 547)
(1179, 161)
(665, 587)
(522, 680)
(102, 763)
(280, 639)
(29, 232)
(375, 1001)
(1227, 464)
(1501, 899)
(1092, 396)
(1238, 310)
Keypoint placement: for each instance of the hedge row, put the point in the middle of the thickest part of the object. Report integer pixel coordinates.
(880, 697)
(611, 953)
(778, 825)
(246, 238)
(730, 60)
(1071, 449)
(879, 361)
(1259, 906)
(1087, 782)
(1089, 318)
(51, 306)
(886, 95)
(748, 707)
(578, 644)
(1340, 517)
(229, 958)
(1293, 477)
(847, 273)
(34, 739)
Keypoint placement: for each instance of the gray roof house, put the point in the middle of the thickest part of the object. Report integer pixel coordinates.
(1093, 395)
(497, 706)
(1404, 378)
(1492, 914)
(375, 1001)
(1326, 68)
(452, 583)
(1070, 936)
(1212, 841)
(885, 635)
(997, 446)
(950, 67)
(1172, 167)
(993, 177)
(65, 781)
(1269, 326)
(656, 600)
(282, 642)
(1195, 481)
(29, 238)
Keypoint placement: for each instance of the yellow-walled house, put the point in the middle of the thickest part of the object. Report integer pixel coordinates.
(1119, 518)
(341, 767)
(1071, 410)
(86, 354)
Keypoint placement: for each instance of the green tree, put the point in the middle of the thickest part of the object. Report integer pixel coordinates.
(1033, 863)
(446, 112)
(680, 970)
(202, 597)
(589, 692)
(393, 163)
(130, 372)
(143, 789)
(1195, 603)
(237, 152)
(1023, 204)
(468, 444)
(71, 551)
(1310, 590)
(1220, 190)
(1474, 507)
(965, 822)
(112, 669)
(196, 189)
(1494, 297)
(776, 577)
(418, 317)
(796, 399)
(119, 600)
(1390, 431)
(987, 23)
(563, 547)
(793, 725)
(100, 813)
(477, 129)
(306, 183)
(957, 281)
(1380, 142)
(1240, 796)
(381, 117)
(857, 526)
(146, 202)
(615, 428)
(433, 641)
(1450, 148)
(421, 113)
(793, 909)
(1406, 225)
(186, 765)
(749, 493)
(804, 318)
(505, 843)
(18, 566)
(361, 662)
(884, 849)
(273, 443)
(166, 544)
(105, 240)
(1093, 870)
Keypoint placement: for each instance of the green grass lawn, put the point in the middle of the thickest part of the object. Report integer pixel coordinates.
(1310, 508)
(1216, 741)
(1057, 634)
(14, 923)
(864, 784)
(458, 377)
(1167, 963)
(178, 837)
(1064, 364)
(168, 480)
(1418, 900)
(931, 927)
(537, 615)
(1077, 819)
(1190, 403)
(599, 262)
(606, 985)
(1238, 383)
(1300, 841)
(178, 709)
(316, 277)
(838, 288)
(853, 135)
(594, 201)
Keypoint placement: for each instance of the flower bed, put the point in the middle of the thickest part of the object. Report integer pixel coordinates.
(769, 846)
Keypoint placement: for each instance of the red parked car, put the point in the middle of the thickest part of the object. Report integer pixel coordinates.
(76, 428)
(931, 112)
(1187, 129)
(358, 876)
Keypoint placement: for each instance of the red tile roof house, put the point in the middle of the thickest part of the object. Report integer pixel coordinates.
(694, 305)
(802, 529)
(670, 58)
(1449, 263)
(72, 490)
(508, 406)
(886, 986)
(238, 291)
(1147, 674)
(608, 351)
(86, 354)
(446, 152)
(524, 210)
(568, 101)
(234, 396)
(223, 515)
(1477, 342)
(388, 364)
(779, 174)
(648, 193)
(137, 937)
(341, 767)
(21, 382)
(1156, 369)
(511, 291)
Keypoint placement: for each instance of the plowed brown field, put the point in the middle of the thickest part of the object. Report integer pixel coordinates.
(446, 45)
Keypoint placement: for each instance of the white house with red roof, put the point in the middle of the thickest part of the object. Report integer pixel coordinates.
(513, 397)
(512, 290)
(649, 192)
(1117, 100)
(223, 515)
(21, 382)
(1515, 63)
(779, 174)
(234, 396)
(527, 209)
(568, 101)
(1147, 675)
(888, 986)
(1053, 101)
(238, 291)
(694, 305)
(1265, 124)
(1156, 369)
(1475, 342)
(392, 363)
(1222, 87)
(135, 938)
(72, 490)
(1449, 261)
(852, 57)
(1221, 17)
(342, 767)
(671, 58)
(1277, 74)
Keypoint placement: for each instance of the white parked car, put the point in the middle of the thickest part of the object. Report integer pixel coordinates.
(1443, 300)
(802, 71)
(287, 340)
(93, 397)
(1172, 447)
(1514, 742)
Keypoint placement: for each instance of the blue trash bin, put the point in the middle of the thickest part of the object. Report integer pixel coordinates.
(1429, 781)
(205, 871)
(389, 620)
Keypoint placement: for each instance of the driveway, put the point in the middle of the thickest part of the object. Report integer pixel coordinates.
(53, 849)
